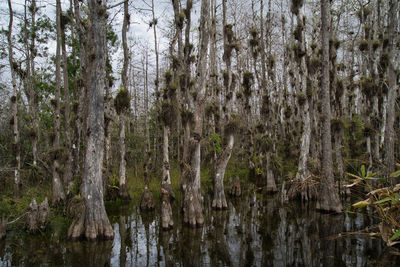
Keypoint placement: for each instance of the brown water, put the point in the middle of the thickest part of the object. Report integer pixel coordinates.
(254, 231)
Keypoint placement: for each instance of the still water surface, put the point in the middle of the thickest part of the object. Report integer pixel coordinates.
(254, 231)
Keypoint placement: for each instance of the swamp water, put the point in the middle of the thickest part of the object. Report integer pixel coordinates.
(254, 231)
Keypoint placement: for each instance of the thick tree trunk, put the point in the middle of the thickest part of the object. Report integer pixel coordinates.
(392, 94)
(58, 195)
(192, 203)
(185, 113)
(328, 199)
(305, 191)
(93, 223)
(79, 136)
(14, 107)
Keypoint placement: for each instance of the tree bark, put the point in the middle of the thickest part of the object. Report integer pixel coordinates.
(219, 201)
(32, 94)
(123, 189)
(192, 202)
(392, 93)
(93, 223)
(79, 136)
(68, 176)
(58, 195)
(14, 107)
(305, 192)
(328, 199)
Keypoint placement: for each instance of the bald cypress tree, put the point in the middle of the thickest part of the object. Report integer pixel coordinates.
(328, 199)
(93, 222)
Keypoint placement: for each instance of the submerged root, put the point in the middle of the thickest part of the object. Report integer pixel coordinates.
(303, 189)
(147, 201)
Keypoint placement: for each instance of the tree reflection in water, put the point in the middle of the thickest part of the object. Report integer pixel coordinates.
(256, 230)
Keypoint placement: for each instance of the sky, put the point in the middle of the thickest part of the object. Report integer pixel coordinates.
(139, 32)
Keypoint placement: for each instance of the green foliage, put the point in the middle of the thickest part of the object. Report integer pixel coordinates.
(122, 100)
(363, 45)
(253, 33)
(384, 60)
(13, 208)
(385, 201)
(301, 98)
(167, 113)
(211, 109)
(298, 51)
(337, 124)
(254, 42)
(248, 78)
(215, 140)
(168, 76)
(375, 44)
(298, 31)
(233, 125)
(314, 65)
(368, 86)
(111, 36)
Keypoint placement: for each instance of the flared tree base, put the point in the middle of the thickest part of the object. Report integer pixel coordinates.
(328, 199)
(91, 226)
(193, 208)
(166, 211)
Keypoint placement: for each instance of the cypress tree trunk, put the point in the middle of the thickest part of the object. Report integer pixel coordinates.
(328, 199)
(390, 114)
(219, 200)
(123, 189)
(192, 203)
(166, 189)
(33, 95)
(79, 136)
(305, 192)
(57, 186)
(93, 223)
(68, 164)
(14, 107)
(186, 113)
